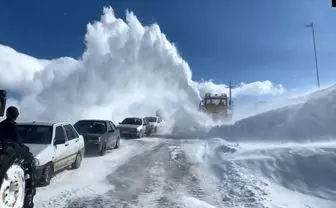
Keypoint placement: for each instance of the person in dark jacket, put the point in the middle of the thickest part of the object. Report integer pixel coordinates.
(8, 129)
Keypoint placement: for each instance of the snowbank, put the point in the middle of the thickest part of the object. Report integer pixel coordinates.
(313, 119)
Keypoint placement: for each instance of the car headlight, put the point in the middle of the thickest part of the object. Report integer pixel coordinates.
(37, 162)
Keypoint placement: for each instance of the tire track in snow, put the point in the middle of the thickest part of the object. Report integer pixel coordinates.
(90, 179)
(160, 177)
(167, 173)
(232, 184)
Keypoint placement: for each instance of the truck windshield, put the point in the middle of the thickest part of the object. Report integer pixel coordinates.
(34, 134)
(95, 127)
(132, 121)
(215, 101)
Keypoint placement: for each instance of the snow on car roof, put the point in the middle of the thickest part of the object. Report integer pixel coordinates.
(133, 118)
(40, 123)
(96, 120)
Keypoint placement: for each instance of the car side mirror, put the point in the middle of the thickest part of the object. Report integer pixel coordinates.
(59, 141)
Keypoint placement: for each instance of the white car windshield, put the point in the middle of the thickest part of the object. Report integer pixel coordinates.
(34, 134)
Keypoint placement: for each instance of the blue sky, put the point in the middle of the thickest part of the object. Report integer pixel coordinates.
(242, 40)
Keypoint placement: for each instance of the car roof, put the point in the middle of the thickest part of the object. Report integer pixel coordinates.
(42, 123)
(133, 118)
(93, 120)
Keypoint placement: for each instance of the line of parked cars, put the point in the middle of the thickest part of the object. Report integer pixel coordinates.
(57, 146)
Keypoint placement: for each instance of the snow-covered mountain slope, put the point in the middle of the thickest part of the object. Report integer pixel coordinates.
(317, 117)
(312, 120)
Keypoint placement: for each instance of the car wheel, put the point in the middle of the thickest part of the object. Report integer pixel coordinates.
(77, 162)
(148, 132)
(117, 143)
(103, 151)
(47, 175)
(111, 145)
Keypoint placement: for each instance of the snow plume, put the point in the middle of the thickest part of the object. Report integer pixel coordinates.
(18, 71)
(127, 69)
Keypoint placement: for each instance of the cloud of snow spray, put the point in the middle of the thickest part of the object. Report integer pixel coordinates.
(127, 69)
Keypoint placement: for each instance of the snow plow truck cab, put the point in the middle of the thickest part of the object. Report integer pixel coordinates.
(218, 106)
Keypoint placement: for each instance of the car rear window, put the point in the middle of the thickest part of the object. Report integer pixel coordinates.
(89, 126)
(132, 121)
(35, 134)
(151, 119)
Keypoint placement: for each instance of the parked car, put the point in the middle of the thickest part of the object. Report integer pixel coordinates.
(55, 146)
(99, 135)
(154, 123)
(133, 127)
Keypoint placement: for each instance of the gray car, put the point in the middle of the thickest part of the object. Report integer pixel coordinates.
(133, 127)
(99, 135)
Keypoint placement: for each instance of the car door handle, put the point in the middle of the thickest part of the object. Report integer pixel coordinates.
(77, 140)
(67, 144)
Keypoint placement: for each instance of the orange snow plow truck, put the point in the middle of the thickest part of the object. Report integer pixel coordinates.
(219, 107)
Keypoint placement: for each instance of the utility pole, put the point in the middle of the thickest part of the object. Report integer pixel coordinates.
(311, 25)
(230, 104)
(230, 92)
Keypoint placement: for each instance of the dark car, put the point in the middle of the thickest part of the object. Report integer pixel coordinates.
(99, 135)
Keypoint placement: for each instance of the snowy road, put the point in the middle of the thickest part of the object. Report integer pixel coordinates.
(153, 172)
(90, 179)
